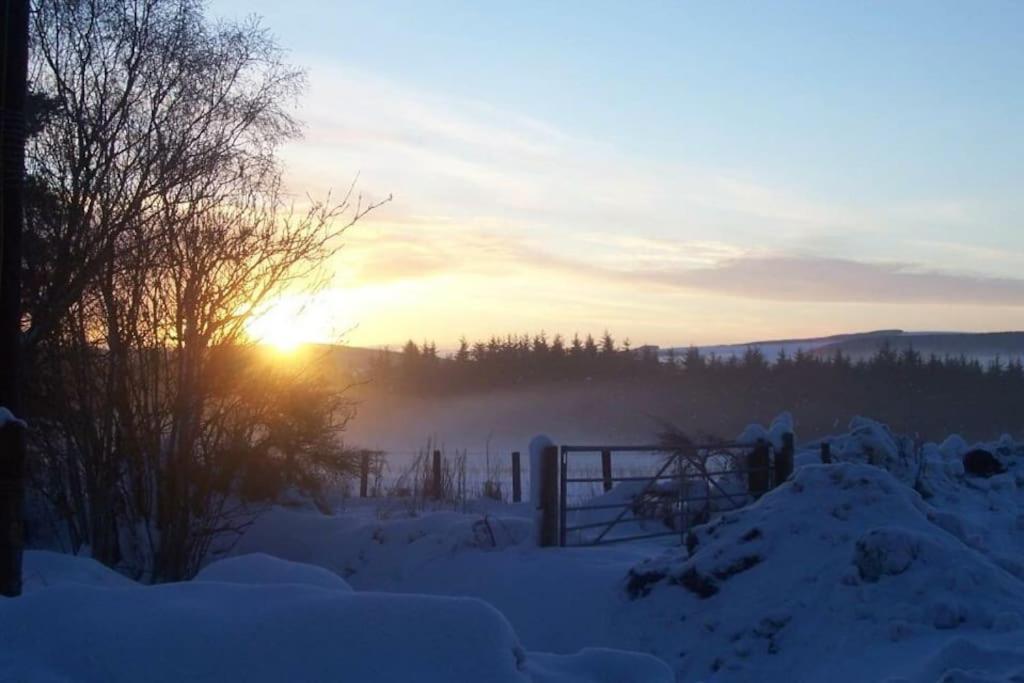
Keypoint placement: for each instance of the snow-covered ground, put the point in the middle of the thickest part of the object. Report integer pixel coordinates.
(259, 618)
(890, 564)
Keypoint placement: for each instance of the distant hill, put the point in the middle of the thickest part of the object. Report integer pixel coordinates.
(983, 346)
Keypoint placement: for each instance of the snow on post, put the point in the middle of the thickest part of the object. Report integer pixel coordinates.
(780, 426)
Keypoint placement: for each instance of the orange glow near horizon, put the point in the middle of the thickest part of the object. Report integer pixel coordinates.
(287, 323)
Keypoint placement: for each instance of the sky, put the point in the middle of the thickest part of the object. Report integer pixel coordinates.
(675, 172)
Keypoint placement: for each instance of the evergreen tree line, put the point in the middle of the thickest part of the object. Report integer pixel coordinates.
(512, 360)
(914, 393)
(523, 359)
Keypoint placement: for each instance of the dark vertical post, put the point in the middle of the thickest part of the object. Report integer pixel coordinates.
(517, 479)
(606, 469)
(12, 178)
(826, 452)
(563, 496)
(758, 469)
(435, 484)
(784, 459)
(364, 474)
(548, 497)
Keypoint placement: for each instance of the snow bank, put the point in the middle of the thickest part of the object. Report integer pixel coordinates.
(255, 618)
(844, 563)
(219, 632)
(45, 569)
(260, 568)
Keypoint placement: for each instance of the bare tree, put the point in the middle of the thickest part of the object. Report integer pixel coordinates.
(161, 204)
(150, 104)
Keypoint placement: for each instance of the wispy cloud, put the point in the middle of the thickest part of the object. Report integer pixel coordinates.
(823, 279)
(639, 264)
(470, 159)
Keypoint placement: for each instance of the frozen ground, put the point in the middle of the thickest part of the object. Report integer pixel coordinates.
(891, 564)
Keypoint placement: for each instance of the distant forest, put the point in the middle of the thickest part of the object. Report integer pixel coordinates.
(913, 393)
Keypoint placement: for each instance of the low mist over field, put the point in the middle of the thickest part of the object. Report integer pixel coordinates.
(630, 404)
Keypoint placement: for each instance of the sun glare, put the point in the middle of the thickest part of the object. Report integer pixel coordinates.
(284, 326)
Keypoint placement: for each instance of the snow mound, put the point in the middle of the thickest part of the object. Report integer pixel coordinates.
(842, 558)
(46, 569)
(260, 568)
(219, 632)
(215, 631)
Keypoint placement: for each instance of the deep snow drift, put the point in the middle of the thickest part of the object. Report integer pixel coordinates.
(255, 618)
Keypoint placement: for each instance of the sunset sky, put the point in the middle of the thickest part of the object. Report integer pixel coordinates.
(675, 172)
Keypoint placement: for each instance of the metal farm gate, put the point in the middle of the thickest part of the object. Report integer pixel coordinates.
(659, 491)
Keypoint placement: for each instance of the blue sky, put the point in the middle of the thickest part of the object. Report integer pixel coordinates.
(647, 166)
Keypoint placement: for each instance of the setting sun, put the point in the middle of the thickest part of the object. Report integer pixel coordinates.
(289, 323)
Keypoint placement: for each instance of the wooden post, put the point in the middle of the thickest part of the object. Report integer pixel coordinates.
(13, 95)
(606, 469)
(826, 452)
(784, 459)
(758, 469)
(435, 483)
(517, 479)
(563, 495)
(549, 511)
(364, 474)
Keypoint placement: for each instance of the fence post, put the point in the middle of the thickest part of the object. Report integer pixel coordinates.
(606, 469)
(784, 459)
(517, 479)
(826, 452)
(364, 474)
(758, 465)
(436, 478)
(563, 496)
(549, 497)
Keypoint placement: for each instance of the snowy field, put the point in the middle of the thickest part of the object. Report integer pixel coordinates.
(892, 564)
